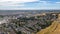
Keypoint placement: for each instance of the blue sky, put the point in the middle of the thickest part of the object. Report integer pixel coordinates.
(29, 4)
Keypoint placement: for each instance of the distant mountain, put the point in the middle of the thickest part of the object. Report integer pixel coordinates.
(9, 12)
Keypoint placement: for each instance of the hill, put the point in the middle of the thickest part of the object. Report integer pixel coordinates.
(52, 29)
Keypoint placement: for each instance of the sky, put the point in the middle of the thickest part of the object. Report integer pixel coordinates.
(29, 4)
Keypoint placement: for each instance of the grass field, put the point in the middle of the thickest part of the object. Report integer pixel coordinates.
(52, 29)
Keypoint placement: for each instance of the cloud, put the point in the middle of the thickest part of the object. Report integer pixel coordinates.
(29, 4)
(58, 2)
(15, 2)
(21, 1)
(44, 2)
